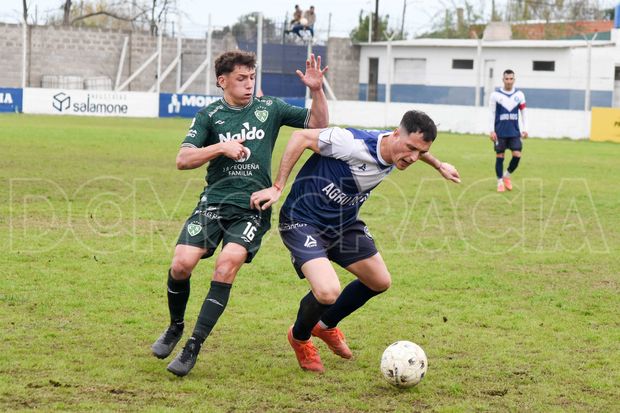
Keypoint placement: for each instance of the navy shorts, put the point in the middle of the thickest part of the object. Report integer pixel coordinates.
(345, 247)
(514, 144)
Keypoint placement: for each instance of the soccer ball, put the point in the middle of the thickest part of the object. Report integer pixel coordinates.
(403, 364)
(303, 21)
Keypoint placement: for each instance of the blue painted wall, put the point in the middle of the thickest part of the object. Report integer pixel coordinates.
(566, 98)
(280, 61)
(572, 99)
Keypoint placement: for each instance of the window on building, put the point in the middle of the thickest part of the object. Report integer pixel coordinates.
(543, 66)
(462, 64)
(410, 71)
(617, 73)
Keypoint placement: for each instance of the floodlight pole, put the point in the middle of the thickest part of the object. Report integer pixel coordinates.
(259, 54)
(479, 69)
(209, 65)
(179, 52)
(159, 47)
(587, 102)
(24, 52)
(308, 53)
(388, 83)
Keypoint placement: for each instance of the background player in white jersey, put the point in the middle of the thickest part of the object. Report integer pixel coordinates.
(506, 104)
(319, 220)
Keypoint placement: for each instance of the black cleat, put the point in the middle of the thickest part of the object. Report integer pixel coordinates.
(184, 362)
(164, 345)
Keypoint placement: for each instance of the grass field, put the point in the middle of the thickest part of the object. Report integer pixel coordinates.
(514, 296)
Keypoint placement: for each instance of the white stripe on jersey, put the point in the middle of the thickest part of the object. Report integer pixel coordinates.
(360, 151)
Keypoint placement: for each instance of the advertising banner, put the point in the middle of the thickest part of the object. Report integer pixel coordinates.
(605, 124)
(10, 100)
(90, 102)
(182, 105)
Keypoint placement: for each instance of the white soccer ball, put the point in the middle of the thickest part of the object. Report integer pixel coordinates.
(303, 21)
(403, 364)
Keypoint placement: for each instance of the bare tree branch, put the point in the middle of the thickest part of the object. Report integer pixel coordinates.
(107, 13)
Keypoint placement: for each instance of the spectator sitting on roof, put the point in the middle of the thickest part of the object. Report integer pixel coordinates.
(306, 22)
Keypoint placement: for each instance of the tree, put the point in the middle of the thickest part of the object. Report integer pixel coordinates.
(456, 24)
(360, 33)
(160, 9)
(25, 11)
(246, 27)
(567, 10)
(115, 14)
(66, 9)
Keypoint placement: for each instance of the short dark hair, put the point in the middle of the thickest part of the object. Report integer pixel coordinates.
(226, 62)
(509, 72)
(417, 121)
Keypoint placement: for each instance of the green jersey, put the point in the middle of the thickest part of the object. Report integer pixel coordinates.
(259, 122)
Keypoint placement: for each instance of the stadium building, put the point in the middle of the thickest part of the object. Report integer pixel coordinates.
(553, 73)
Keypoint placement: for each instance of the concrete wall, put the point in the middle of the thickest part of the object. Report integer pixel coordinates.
(344, 68)
(563, 88)
(542, 123)
(10, 55)
(86, 52)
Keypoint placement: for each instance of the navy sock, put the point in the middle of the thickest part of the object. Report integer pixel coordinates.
(352, 297)
(499, 167)
(211, 310)
(310, 311)
(178, 294)
(514, 162)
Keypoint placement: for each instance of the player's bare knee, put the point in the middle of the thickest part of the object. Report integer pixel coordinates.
(327, 295)
(500, 155)
(225, 270)
(181, 268)
(382, 283)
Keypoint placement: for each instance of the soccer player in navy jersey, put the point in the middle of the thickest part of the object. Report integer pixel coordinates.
(235, 136)
(505, 104)
(319, 220)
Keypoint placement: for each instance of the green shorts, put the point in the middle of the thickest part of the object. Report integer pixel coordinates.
(211, 224)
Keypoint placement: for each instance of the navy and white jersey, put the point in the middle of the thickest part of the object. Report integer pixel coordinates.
(331, 187)
(505, 107)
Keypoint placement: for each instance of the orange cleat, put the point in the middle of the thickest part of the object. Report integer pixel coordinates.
(334, 339)
(307, 355)
(500, 186)
(507, 183)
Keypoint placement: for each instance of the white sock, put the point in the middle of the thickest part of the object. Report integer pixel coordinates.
(499, 181)
(322, 325)
(506, 174)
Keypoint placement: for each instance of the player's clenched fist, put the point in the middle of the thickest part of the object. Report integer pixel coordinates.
(234, 149)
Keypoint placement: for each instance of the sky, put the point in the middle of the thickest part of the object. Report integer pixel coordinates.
(419, 17)
(344, 13)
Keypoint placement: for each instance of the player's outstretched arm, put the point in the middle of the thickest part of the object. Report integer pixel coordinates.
(492, 108)
(446, 170)
(313, 79)
(191, 158)
(299, 142)
(524, 133)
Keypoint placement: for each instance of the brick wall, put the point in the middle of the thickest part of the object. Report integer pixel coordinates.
(87, 52)
(344, 68)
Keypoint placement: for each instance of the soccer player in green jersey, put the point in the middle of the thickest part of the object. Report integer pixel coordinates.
(235, 136)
